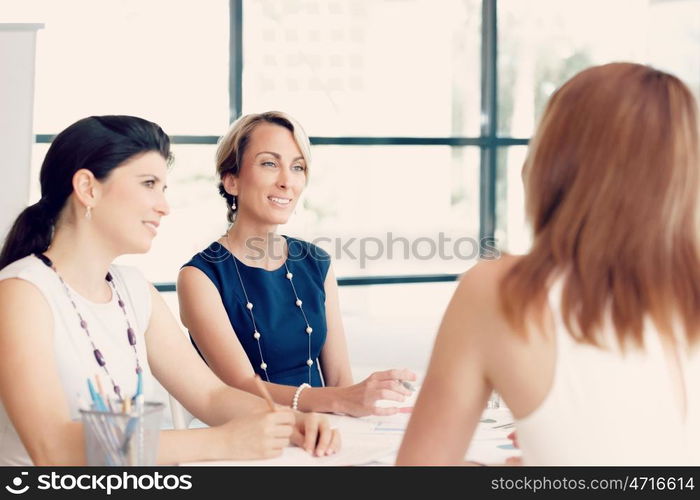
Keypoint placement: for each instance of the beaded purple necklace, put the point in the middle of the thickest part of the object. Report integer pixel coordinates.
(83, 324)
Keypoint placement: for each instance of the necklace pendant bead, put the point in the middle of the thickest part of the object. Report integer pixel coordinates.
(131, 335)
(99, 357)
(257, 335)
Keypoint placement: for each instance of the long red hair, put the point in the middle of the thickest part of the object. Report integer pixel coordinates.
(611, 183)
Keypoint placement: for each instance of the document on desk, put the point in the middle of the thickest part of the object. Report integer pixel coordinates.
(354, 454)
(490, 444)
(361, 445)
(388, 424)
(376, 440)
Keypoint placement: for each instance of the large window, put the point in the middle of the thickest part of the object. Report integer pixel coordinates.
(365, 67)
(542, 43)
(420, 111)
(376, 72)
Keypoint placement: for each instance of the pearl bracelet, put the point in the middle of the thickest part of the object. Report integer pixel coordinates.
(295, 400)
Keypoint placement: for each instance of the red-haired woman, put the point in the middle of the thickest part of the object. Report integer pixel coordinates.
(592, 338)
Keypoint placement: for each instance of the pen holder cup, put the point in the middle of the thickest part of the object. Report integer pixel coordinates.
(119, 439)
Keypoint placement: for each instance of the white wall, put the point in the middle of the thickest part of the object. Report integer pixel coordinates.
(17, 49)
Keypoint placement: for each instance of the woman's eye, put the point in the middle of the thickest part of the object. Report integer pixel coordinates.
(300, 168)
(268, 163)
(150, 184)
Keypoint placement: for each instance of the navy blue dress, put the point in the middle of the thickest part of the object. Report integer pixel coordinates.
(284, 342)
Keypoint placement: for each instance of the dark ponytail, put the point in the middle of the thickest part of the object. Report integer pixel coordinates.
(98, 144)
(31, 232)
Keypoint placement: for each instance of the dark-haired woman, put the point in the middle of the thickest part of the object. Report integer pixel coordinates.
(68, 313)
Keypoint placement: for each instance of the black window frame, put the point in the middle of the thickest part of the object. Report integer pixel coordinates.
(488, 141)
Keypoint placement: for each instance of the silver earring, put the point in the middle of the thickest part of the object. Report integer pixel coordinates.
(88, 212)
(233, 203)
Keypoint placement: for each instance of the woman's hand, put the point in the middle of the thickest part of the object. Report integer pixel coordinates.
(314, 433)
(260, 435)
(359, 400)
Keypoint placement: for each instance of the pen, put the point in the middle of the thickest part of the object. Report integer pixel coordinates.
(504, 426)
(134, 453)
(134, 423)
(126, 406)
(139, 386)
(96, 398)
(102, 394)
(265, 392)
(102, 428)
(407, 385)
(99, 384)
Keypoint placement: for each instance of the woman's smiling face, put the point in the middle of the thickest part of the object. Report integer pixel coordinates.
(271, 178)
(132, 203)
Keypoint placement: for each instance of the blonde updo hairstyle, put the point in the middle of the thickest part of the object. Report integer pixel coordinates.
(232, 146)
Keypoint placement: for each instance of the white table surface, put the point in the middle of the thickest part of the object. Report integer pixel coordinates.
(375, 440)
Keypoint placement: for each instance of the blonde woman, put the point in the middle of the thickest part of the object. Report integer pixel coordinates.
(258, 302)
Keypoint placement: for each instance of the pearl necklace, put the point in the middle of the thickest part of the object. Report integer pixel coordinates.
(257, 335)
(130, 335)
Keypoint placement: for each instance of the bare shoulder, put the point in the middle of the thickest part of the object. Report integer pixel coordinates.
(191, 277)
(16, 292)
(475, 309)
(193, 284)
(19, 300)
(481, 283)
(189, 274)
